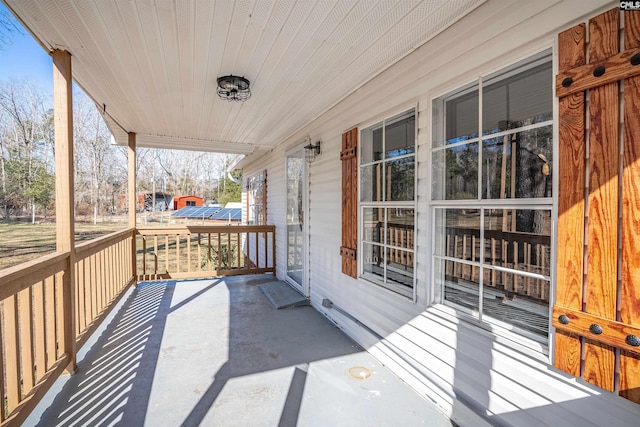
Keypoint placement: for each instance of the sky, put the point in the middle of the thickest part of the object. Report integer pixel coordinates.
(24, 58)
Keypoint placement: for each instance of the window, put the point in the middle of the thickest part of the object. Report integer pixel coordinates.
(257, 199)
(387, 202)
(190, 203)
(491, 197)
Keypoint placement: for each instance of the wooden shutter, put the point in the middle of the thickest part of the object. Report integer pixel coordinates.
(597, 315)
(349, 158)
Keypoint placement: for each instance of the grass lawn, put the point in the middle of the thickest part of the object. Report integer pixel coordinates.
(23, 241)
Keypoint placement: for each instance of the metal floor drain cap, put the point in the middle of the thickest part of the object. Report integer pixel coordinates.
(359, 372)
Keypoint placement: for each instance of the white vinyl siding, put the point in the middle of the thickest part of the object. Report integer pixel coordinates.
(457, 364)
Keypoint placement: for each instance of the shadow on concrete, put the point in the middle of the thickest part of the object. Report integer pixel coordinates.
(262, 339)
(114, 379)
(172, 348)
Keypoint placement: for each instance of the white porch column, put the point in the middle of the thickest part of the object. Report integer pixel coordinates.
(65, 239)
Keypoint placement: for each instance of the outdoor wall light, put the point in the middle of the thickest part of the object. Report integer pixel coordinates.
(233, 88)
(311, 150)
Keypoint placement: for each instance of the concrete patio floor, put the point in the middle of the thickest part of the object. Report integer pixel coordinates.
(216, 353)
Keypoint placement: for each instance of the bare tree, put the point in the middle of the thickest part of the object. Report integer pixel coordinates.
(98, 163)
(26, 127)
(9, 28)
(27, 158)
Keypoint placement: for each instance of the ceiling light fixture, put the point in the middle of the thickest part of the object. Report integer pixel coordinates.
(233, 88)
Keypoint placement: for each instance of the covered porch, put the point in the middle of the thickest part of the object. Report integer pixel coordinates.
(419, 291)
(216, 352)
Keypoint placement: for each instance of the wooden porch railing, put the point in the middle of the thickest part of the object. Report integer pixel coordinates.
(400, 237)
(34, 323)
(203, 251)
(104, 269)
(527, 252)
(33, 320)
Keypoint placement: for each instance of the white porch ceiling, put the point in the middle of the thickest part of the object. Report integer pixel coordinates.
(151, 65)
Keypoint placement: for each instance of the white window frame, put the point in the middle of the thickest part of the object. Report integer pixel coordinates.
(544, 203)
(396, 289)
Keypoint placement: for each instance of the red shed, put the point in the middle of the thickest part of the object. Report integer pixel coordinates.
(180, 202)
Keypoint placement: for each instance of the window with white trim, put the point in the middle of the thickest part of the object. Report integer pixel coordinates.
(491, 197)
(387, 202)
(257, 199)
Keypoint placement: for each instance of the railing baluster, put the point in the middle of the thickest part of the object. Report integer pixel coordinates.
(447, 264)
(25, 330)
(516, 277)
(59, 304)
(464, 254)
(189, 252)
(536, 268)
(113, 276)
(144, 255)
(76, 294)
(219, 257)
(229, 250)
(527, 260)
(494, 275)
(178, 253)
(50, 321)
(544, 295)
(208, 251)
(505, 263)
(104, 261)
(12, 361)
(39, 325)
(81, 320)
(88, 298)
(88, 283)
(123, 263)
(103, 280)
(457, 268)
(133, 251)
(240, 265)
(166, 253)
(199, 263)
(155, 256)
(257, 248)
(96, 285)
(474, 269)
